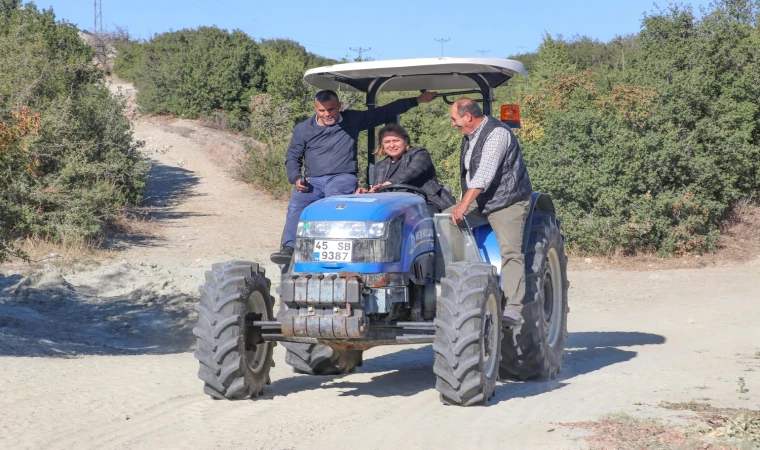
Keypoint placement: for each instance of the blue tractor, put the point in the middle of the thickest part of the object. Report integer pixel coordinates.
(388, 268)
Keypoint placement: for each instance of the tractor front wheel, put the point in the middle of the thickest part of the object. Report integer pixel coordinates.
(234, 359)
(468, 334)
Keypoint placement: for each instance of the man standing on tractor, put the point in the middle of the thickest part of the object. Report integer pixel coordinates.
(495, 188)
(325, 146)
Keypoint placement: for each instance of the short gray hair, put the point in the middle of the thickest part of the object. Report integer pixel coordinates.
(326, 96)
(467, 105)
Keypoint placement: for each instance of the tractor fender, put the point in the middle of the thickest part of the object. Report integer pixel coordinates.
(538, 202)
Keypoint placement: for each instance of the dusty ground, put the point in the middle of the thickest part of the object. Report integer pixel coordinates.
(100, 355)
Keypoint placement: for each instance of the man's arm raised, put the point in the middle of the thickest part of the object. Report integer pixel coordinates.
(387, 113)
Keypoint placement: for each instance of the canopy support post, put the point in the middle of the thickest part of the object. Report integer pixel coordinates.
(485, 89)
(374, 88)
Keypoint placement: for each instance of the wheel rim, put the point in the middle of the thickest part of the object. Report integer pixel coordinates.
(553, 297)
(490, 336)
(257, 356)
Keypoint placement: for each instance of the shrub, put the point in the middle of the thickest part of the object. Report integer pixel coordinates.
(67, 175)
(129, 60)
(652, 166)
(191, 73)
(16, 163)
(265, 168)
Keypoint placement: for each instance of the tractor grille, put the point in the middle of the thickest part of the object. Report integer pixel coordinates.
(364, 250)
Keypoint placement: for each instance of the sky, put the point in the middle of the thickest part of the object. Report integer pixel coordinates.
(387, 29)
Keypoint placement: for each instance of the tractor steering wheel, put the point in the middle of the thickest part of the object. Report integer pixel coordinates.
(402, 188)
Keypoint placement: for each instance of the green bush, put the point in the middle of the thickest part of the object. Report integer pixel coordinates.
(652, 157)
(130, 59)
(190, 73)
(69, 178)
(265, 168)
(285, 63)
(17, 129)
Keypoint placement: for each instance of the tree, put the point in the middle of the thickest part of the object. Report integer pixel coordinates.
(69, 163)
(195, 72)
(553, 59)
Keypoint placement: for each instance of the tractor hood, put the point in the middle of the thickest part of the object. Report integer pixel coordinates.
(375, 207)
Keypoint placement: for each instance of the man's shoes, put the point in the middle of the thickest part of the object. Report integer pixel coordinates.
(511, 318)
(283, 256)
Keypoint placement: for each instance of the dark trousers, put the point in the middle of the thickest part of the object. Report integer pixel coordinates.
(320, 187)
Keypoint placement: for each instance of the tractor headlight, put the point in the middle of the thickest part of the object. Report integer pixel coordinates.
(342, 229)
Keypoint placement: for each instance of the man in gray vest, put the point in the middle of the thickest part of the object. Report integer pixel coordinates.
(495, 188)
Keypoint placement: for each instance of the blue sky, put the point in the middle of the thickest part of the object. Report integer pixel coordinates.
(391, 28)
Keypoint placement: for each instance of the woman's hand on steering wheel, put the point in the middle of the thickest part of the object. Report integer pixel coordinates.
(378, 186)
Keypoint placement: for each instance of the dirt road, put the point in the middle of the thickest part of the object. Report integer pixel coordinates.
(101, 356)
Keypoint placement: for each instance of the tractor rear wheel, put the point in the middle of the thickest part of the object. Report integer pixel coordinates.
(467, 334)
(314, 359)
(535, 349)
(234, 359)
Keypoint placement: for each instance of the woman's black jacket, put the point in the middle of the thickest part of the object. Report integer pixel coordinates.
(416, 169)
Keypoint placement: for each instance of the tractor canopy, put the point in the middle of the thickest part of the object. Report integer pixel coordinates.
(415, 74)
(453, 76)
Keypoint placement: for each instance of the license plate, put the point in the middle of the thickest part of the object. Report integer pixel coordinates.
(332, 251)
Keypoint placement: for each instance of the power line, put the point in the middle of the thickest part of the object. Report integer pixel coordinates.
(360, 51)
(483, 52)
(97, 25)
(442, 40)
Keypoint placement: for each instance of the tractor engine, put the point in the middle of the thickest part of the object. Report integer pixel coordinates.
(360, 259)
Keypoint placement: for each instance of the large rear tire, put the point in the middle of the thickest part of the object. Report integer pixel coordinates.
(234, 360)
(535, 349)
(467, 334)
(314, 359)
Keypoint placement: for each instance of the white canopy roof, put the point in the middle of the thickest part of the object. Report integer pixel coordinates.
(415, 74)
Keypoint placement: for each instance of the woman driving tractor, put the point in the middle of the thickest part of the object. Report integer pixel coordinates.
(407, 165)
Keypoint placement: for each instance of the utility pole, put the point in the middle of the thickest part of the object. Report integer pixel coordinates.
(97, 26)
(483, 52)
(442, 40)
(360, 51)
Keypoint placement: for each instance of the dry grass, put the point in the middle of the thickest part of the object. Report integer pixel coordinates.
(739, 423)
(740, 242)
(137, 222)
(43, 250)
(623, 432)
(40, 250)
(740, 233)
(711, 428)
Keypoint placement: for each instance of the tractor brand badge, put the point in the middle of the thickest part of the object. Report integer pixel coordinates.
(422, 236)
(340, 206)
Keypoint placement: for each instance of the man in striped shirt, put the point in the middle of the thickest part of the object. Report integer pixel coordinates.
(496, 188)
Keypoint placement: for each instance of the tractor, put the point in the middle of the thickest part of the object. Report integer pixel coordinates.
(387, 268)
